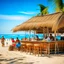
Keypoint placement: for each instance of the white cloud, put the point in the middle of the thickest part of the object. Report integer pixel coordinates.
(27, 12)
(14, 17)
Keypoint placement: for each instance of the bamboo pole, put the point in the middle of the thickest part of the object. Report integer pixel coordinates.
(25, 35)
(44, 31)
(47, 31)
(34, 34)
(29, 34)
(55, 42)
(48, 43)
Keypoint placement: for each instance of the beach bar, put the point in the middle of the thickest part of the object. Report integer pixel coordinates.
(46, 24)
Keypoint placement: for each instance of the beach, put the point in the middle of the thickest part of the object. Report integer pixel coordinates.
(31, 31)
(18, 57)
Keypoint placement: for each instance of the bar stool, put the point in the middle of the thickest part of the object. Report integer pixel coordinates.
(52, 46)
(23, 47)
(63, 46)
(41, 49)
(45, 48)
(36, 49)
(29, 48)
(60, 46)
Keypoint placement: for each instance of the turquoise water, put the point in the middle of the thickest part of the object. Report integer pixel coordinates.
(20, 36)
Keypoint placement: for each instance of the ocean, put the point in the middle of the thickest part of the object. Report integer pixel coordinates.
(20, 36)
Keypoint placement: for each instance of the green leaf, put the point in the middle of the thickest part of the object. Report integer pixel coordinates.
(43, 9)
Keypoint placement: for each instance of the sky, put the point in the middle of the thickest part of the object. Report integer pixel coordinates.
(15, 12)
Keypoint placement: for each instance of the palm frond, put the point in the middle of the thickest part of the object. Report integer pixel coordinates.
(58, 5)
(43, 9)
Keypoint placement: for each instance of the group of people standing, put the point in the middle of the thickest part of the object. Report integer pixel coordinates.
(16, 43)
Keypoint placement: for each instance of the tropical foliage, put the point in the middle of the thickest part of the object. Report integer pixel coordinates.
(59, 5)
(43, 9)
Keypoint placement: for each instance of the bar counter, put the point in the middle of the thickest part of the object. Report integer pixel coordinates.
(53, 46)
(25, 41)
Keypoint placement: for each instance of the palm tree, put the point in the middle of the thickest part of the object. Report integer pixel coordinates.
(43, 9)
(58, 4)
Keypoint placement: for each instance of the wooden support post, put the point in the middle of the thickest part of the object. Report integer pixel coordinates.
(55, 42)
(29, 34)
(34, 34)
(25, 34)
(47, 31)
(57, 48)
(43, 31)
(49, 42)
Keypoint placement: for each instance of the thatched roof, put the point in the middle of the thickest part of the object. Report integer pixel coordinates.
(54, 21)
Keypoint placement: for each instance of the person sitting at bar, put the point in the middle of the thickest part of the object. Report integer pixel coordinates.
(37, 38)
(46, 39)
(51, 37)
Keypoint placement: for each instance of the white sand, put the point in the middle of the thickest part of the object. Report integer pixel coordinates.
(16, 57)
